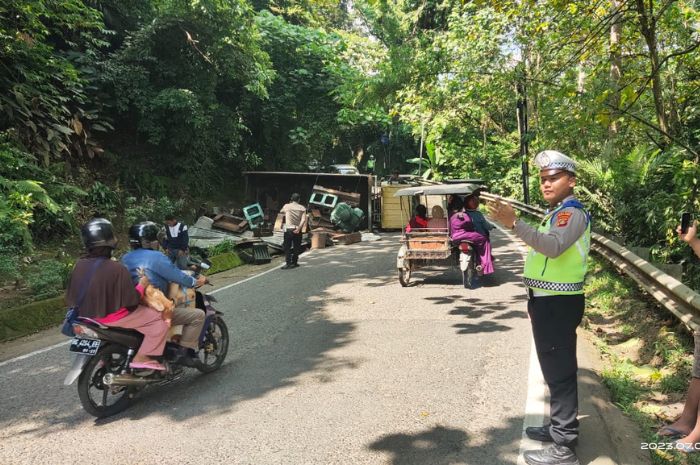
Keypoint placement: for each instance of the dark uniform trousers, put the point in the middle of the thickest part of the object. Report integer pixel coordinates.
(554, 321)
(292, 246)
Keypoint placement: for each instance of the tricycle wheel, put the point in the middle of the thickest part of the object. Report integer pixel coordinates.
(404, 276)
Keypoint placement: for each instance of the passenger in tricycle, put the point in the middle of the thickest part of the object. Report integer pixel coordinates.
(419, 220)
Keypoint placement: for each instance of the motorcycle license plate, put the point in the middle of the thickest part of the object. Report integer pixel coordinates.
(84, 346)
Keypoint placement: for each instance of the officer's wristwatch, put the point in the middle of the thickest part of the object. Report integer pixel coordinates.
(514, 223)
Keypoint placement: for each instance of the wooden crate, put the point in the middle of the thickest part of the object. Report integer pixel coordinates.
(347, 239)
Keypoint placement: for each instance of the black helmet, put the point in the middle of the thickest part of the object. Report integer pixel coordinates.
(141, 234)
(98, 232)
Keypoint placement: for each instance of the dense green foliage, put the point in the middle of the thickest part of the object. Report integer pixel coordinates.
(612, 83)
(118, 107)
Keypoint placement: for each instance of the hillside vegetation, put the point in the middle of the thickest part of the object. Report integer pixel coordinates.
(134, 109)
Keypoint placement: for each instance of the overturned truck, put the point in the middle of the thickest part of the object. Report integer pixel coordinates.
(272, 189)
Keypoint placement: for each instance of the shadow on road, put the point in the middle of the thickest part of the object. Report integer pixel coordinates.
(508, 271)
(442, 445)
(273, 343)
(481, 327)
(283, 341)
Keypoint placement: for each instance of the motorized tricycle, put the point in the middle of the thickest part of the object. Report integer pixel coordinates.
(432, 246)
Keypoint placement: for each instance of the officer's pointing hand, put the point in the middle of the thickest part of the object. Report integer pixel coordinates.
(502, 212)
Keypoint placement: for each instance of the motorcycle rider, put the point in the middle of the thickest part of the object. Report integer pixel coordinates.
(104, 292)
(143, 239)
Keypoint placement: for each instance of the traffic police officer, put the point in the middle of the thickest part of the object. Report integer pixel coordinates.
(370, 164)
(554, 273)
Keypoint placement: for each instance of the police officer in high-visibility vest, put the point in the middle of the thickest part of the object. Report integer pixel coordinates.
(554, 273)
(370, 165)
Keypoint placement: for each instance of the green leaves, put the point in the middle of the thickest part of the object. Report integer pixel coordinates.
(43, 96)
(181, 82)
(433, 162)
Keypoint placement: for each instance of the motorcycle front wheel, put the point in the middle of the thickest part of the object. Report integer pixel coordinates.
(215, 346)
(97, 398)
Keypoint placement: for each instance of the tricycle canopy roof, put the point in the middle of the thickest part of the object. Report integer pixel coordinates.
(440, 189)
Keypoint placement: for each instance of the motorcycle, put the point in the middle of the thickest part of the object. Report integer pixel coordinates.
(106, 383)
(469, 263)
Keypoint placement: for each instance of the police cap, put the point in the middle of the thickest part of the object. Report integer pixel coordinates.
(551, 160)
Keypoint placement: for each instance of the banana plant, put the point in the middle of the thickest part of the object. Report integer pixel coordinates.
(433, 161)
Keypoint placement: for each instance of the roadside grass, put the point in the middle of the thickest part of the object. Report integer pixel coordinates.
(31, 298)
(647, 353)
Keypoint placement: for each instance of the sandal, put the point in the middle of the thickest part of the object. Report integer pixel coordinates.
(148, 365)
(670, 432)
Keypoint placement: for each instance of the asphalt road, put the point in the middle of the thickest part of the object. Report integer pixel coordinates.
(331, 363)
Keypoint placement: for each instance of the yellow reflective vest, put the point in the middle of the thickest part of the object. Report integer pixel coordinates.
(563, 275)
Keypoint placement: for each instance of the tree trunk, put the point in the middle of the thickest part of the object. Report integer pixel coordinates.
(358, 153)
(581, 79)
(615, 69)
(647, 24)
(533, 68)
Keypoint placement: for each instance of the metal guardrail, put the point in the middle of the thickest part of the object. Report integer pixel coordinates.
(675, 296)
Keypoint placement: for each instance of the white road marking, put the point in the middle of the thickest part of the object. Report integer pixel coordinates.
(535, 403)
(245, 280)
(36, 352)
(65, 343)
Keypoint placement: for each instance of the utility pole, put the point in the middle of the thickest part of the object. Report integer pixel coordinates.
(420, 150)
(521, 90)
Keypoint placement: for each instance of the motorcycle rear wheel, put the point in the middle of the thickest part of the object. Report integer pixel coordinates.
(469, 275)
(215, 346)
(97, 398)
(404, 276)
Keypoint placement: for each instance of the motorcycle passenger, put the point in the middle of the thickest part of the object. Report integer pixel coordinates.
(454, 205)
(104, 292)
(469, 224)
(160, 271)
(481, 224)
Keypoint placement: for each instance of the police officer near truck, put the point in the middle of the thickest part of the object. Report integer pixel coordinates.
(293, 224)
(554, 274)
